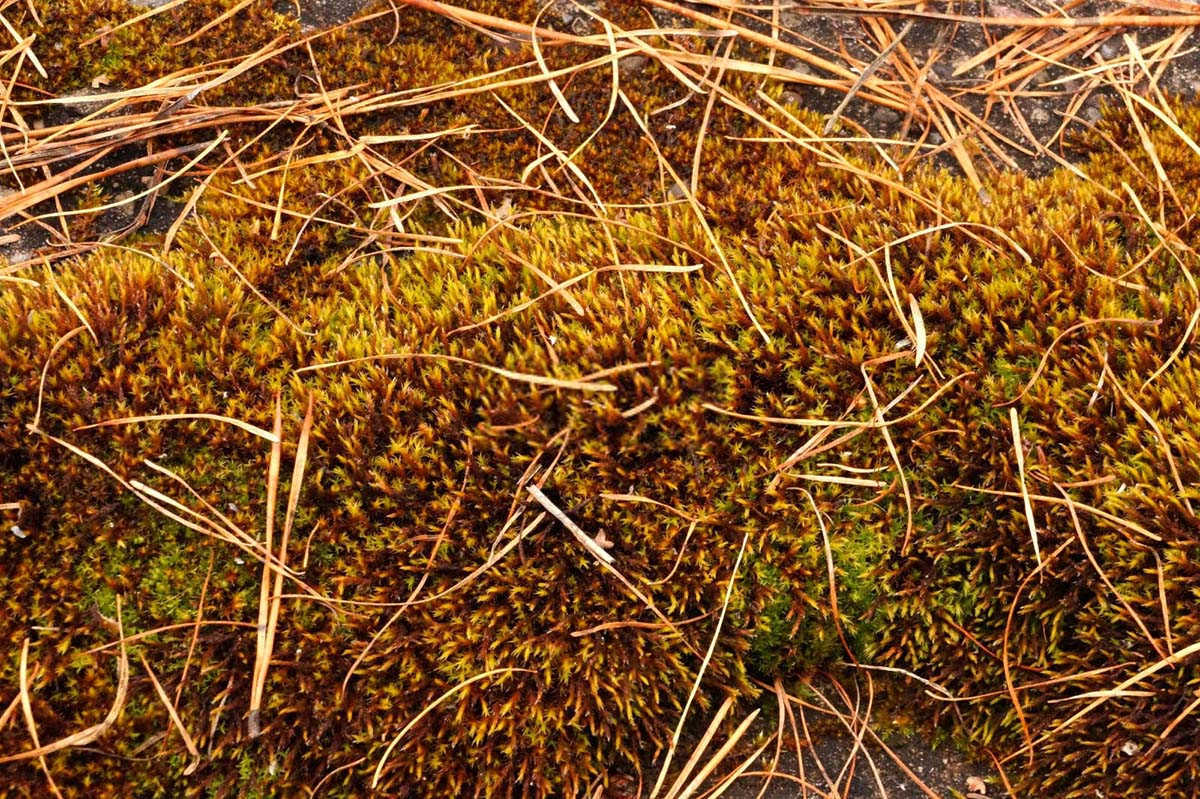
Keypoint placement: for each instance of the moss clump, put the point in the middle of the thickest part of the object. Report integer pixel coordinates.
(418, 459)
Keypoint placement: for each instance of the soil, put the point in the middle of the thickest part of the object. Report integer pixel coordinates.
(1049, 97)
(834, 762)
(943, 770)
(323, 13)
(1046, 107)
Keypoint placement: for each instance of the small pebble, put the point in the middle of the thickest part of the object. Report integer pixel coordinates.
(796, 65)
(18, 532)
(632, 64)
(77, 102)
(1090, 113)
(885, 116)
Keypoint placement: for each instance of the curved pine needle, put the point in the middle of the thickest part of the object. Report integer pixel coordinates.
(167, 417)
(537, 380)
(430, 708)
(86, 736)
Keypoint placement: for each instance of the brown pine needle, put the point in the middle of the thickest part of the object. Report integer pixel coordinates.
(865, 75)
(712, 645)
(86, 736)
(27, 710)
(430, 708)
(1187, 334)
(698, 750)
(1104, 578)
(174, 715)
(228, 14)
(262, 654)
(165, 417)
(537, 380)
(289, 518)
(718, 758)
(1015, 424)
(586, 540)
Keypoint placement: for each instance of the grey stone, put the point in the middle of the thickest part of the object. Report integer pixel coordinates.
(792, 98)
(1070, 86)
(1111, 49)
(796, 65)
(1182, 81)
(78, 102)
(632, 64)
(885, 116)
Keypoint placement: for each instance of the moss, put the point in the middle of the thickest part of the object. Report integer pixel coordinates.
(771, 631)
(407, 451)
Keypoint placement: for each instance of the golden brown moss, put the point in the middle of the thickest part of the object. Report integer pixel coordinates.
(404, 449)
